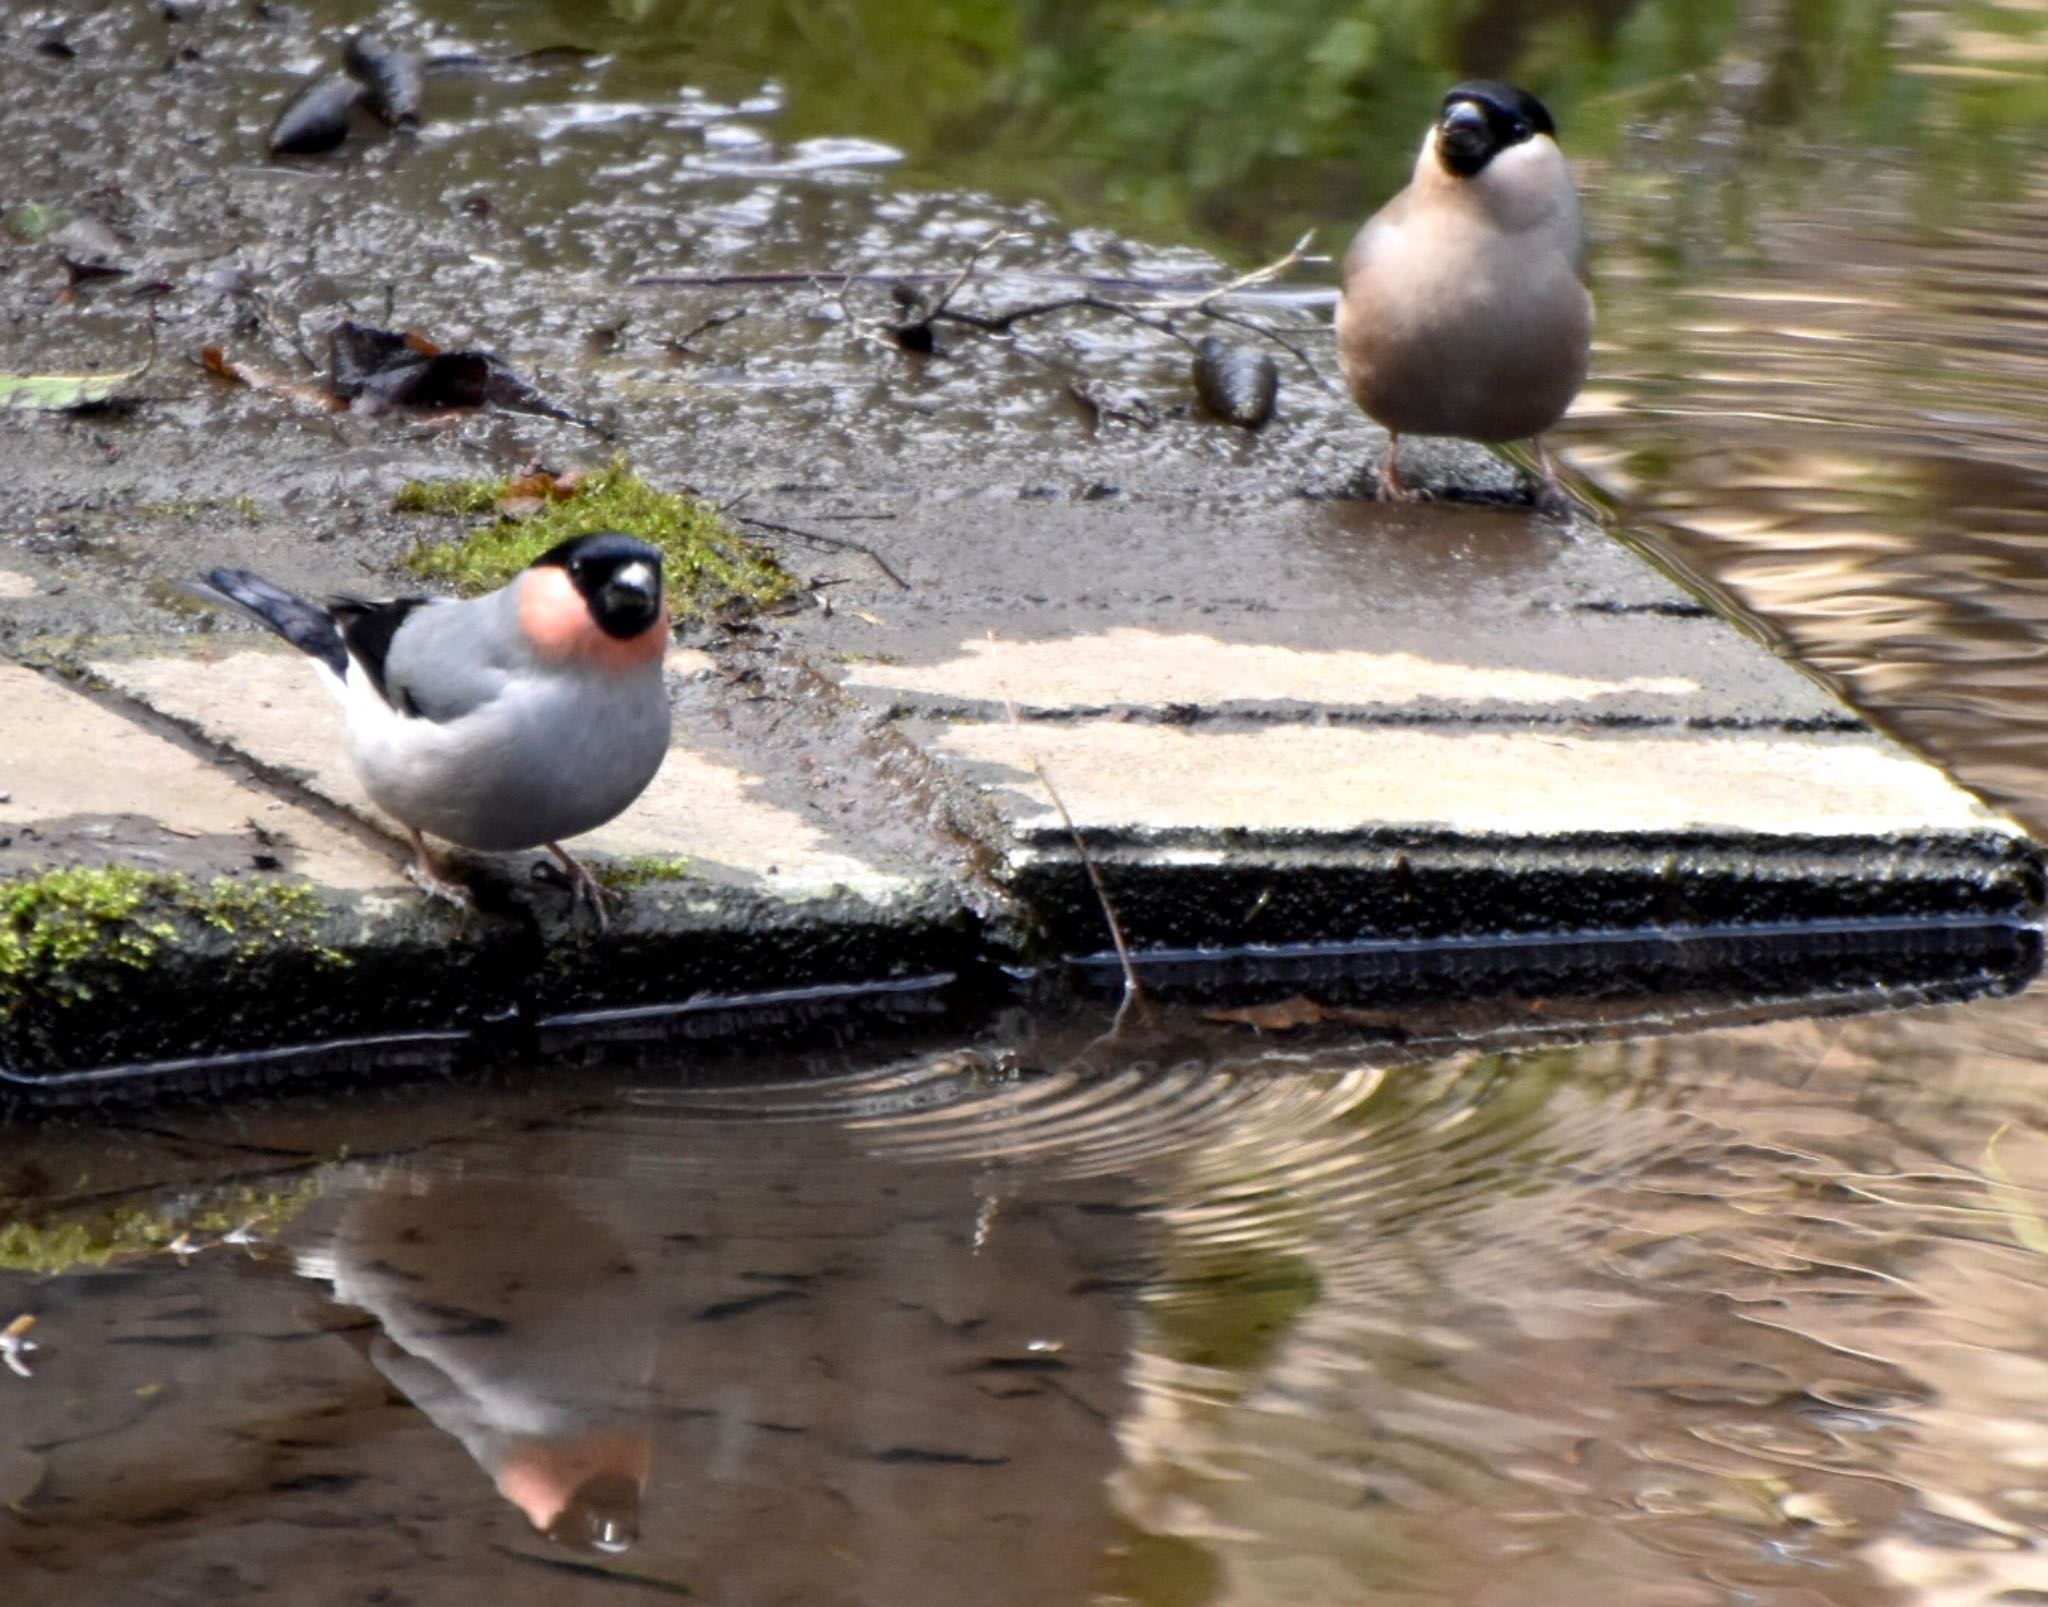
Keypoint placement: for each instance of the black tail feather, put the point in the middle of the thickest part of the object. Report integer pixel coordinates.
(307, 626)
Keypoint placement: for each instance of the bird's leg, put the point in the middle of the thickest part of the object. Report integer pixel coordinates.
(422, 874)
(1390, 487)
(584, 888)
(1550, 496)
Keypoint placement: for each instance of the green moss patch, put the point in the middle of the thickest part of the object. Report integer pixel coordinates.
(64, 929)
(451, 497)
(639, 870)
(709, 569)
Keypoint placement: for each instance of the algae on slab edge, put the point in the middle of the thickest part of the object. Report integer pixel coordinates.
(61, 927)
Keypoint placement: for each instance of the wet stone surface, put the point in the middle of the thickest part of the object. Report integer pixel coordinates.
(1249, 685)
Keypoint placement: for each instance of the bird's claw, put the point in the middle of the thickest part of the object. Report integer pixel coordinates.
(584, 889)
(435, 886)
(1550, 499)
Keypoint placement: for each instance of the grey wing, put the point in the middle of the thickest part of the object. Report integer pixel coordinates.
(452, 658)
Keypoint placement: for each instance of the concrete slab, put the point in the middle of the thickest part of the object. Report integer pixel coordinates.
(1291, 782)
(1253, 839)
(1444, 721)
(1133, 668)
(73, 771)
(1379, 744)
(1344, 609)
(266, 705)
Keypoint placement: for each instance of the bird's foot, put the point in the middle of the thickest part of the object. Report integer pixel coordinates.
(1549, 497)
(1390, 487)
(567, 871)
(1387, 483)
(422, 875)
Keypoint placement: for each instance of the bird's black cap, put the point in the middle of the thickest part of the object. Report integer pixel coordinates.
(1481, 118)
(601, 551)
(623, 605)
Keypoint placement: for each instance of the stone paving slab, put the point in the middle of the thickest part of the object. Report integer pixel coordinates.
(1314, 746)
(1365, 723)
(73, 771)
(1344, 608)
(1299, 780)
(711, 817)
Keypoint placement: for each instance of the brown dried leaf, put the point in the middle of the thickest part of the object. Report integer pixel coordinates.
(1282, 1015)
(218, 363)
(1291, 1015)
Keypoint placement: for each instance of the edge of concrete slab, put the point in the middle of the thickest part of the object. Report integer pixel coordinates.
(902, 860)
(366, 991)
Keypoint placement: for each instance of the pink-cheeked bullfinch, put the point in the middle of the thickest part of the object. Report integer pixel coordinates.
(501, 722)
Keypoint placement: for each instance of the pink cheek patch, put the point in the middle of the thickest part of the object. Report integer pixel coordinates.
(557, 623)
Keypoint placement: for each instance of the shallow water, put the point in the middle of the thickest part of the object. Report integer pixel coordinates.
(1750, 1314)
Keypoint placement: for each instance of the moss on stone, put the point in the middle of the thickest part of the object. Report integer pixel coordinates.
(63, 928)
(449, 496)
(190, 510)
(638, 870)
(709, 569)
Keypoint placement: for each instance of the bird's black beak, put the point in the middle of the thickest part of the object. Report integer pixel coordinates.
(1464, 136)
(631, 597)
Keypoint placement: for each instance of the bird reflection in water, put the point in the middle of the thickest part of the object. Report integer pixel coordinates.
(517, 1324)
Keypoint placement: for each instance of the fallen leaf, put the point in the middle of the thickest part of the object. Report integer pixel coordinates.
(537, 487)
(64, 393)
(1283, 1015)
(393, 79)
(216, 362)
(1291, 1015)
(316, 118)
(384, 368)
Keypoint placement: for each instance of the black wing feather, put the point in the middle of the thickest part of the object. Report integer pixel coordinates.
(367, 628)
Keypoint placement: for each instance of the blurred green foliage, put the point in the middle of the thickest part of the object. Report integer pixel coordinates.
(1240, 122)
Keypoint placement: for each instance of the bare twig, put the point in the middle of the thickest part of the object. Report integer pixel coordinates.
(288, 334)
(1296, 253)
(837, 543)
(724, 315)
(1002, 322)
(1156, 314)
(1134, 991)
(967, 269)
(1150, 304)
(833, 276)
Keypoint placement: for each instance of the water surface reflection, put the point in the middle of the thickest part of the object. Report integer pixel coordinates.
(1752, 1313)
(517, 1323)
